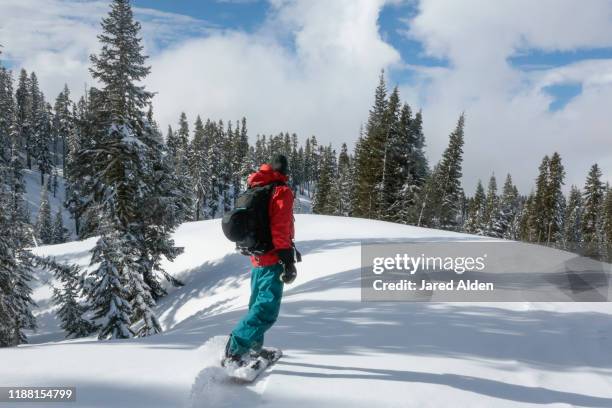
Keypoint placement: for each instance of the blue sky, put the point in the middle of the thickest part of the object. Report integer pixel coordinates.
(242, 15)
(533, 77)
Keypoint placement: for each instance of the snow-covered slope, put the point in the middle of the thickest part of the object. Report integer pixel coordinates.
(339, 351)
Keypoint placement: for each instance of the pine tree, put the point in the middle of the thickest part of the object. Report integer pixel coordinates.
(62, 127)
(417, 162)
(227, 169)
(214, 156)
(593, 196)
(555, 201)
(369, 161)
(24, 121)
(526, 216)
(44, 225)
(123, 170)
(539, 221)
(356, 169)
(15, 265)
(442, 195)
(71, 312)
(7, 114)
(333, 197)
(60, 233)
(412, 168)
(607, 223)
(491, 211)
(345, 182)
(198, 168)
(572, 232)
(393, 162)
(75, 200)
(323, 201)
(41, 130)
(506, 226)
(240, 166)
(475, 222)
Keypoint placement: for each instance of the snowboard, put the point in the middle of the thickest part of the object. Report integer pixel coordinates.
(253, 366)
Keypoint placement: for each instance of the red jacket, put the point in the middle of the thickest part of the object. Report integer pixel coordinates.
(280, 210)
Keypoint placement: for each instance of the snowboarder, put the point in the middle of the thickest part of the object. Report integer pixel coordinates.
(271, 269)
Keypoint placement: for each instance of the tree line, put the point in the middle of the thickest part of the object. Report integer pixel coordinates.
(388, 178)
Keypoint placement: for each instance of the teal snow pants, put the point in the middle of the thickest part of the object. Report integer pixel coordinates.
(264, 305)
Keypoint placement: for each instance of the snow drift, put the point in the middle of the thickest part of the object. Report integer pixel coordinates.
(338, 350)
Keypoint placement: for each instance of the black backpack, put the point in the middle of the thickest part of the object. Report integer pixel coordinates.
(248, 224)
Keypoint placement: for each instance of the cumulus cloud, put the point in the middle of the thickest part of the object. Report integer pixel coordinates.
(509, 126)
(56, 37)
(320, 85)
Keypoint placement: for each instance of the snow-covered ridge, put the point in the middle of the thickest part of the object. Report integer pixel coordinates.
(339, 351)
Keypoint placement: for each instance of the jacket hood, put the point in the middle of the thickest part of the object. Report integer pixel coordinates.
(265, 176)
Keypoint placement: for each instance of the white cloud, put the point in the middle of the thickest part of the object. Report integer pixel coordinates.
(56, 37)
(509, 127)
(323, 87)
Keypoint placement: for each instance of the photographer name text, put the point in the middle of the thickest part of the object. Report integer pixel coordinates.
(425, 285)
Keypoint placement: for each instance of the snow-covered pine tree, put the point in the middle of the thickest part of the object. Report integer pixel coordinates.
(74, 200)
(71, 311)
(333, 197)
(240, 165)
(62, 127)
(53, 181)
(248, 163)
(15, 292)
(369, 161)
(491, 210)
(227, 167)
(172, 143)
(345, 182)
(214, 157)
(60, 234)
(607, 223)
(555, 200)
(412, 167)
(182, 136)
(309, 183)
(198, 167)
(475, 223)
(180, 152)
(506, 226)
(41, 130)
(539, 214)
(418, 166)
(15, 266)
(321, 202)
(593, 196)
(44, 224)
(167, 202)
(296, 165)
(7, 114)
(121, 170)
(441, 199)
(391, 181)
(572, 225)
(526, 216)
(23, 104)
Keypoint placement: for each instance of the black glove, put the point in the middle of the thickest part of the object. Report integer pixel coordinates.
(289, 273)
(286, 256)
